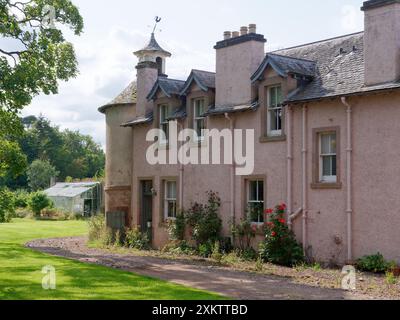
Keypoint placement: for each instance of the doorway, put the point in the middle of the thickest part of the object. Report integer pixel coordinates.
(146, 205)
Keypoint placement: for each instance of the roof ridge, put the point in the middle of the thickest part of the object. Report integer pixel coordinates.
(288, 57)
(319, 41)
(203, 71)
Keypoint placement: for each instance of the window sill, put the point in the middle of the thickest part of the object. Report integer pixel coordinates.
(267, 139)
(322, 185)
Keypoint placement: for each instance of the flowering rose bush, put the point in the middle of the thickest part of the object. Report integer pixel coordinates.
(280, 245)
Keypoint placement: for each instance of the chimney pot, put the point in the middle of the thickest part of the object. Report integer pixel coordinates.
(252, 28)
(243, 31)
(235, 34)
(227, 35)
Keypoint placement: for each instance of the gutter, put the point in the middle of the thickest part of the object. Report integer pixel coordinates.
(233, 168)
(349, 200)
(304, 170)
(289, 174)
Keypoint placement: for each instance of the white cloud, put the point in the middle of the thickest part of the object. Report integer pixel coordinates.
(352, 19)
(106, 67)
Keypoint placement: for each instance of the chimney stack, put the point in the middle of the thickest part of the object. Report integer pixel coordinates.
(238, 58)
(381, 41)
(252, 28)
(227, 35)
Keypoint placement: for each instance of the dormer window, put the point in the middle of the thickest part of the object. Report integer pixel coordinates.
(199, 121)
(274, 114)
(164, 112)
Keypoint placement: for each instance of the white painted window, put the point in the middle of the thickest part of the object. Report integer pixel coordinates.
(274, 113)
(170, 209)
(199, 121)
(164, 123)
(327, 157)
(255, 200)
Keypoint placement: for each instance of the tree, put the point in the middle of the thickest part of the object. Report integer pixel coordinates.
(39, 201)
(12, 161)
(39, 174)
(7, 205)
(37, 54)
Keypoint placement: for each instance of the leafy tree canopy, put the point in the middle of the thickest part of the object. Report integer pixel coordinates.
(35, 54)
(39, 175)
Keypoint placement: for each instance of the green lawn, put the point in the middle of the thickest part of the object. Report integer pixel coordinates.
(21, 277)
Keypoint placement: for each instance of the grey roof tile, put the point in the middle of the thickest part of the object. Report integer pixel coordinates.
(139, 120)
(339, 68)
(285, 65)
(127, 96)
(153, 46)
(204, 79)
(168, 86)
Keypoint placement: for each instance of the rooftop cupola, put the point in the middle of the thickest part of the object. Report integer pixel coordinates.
(151, 66)
(152, 55)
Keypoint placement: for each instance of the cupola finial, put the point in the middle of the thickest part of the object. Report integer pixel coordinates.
(158, 20)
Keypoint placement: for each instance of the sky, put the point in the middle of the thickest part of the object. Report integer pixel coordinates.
(189, 30)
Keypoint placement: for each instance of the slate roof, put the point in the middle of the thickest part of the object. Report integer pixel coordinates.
(139, 120)
(153, 46)
(168, 86)
(180, 113)
(127, 96)
(215, 111)
(204, 79)
(339, 68)
(285, 66)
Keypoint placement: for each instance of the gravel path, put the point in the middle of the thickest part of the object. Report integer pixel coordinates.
(235, 284)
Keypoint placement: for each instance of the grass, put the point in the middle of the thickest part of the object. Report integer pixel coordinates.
(21, 277)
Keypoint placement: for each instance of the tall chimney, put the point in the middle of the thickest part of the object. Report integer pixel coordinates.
(252, 28)
(381, 41)
(237, 59)
(227, 35)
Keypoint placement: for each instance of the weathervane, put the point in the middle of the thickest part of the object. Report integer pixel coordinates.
(157, 19)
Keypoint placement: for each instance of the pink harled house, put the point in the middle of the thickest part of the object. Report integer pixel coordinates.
(326, 119)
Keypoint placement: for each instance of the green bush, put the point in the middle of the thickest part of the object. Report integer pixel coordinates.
(280, 245)
(244, 233)
(96, 226)
(216, 252)
(374, 263)
(204, 221)
(205, 249)
(176, 228)
(21, 199)
(39, 201)
(135, 239)
(7, 205)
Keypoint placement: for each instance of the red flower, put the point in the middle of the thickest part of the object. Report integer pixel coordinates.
(273, 234)
(269, 211)
(282, 207)
(283, 221)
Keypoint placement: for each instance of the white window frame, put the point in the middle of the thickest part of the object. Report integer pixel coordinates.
(258, 201)
(164, 122)
(322, 177)
(167, 200)
(276, 108)
(197, 118)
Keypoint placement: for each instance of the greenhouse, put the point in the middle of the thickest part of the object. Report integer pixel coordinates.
(79, 198)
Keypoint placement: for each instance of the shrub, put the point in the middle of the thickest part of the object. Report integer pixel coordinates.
(135, 239)
(179, 248)
(7, 205)
(244, 232)
(21, 199)
(390, 278)
(204, 221)
(176, 228)
(280, 245)
(374, 263)
(39, 201)
(248, 254)
(96, 226)
(216, 252)
(205, 249)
